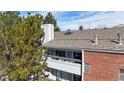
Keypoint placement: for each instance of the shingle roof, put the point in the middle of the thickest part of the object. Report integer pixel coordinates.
(107, 39)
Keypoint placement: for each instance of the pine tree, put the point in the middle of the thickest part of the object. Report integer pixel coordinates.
(50, 19)
(24, 51)
(8, 20)
(81, 28)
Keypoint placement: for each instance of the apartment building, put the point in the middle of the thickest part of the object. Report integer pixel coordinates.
(91, 54)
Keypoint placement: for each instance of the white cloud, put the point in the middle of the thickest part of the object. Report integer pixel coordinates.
(99, 19)
(55, 13)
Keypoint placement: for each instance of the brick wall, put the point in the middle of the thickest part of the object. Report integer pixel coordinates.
(104, 66)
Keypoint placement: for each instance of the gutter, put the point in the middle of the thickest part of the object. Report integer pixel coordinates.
(91, 50)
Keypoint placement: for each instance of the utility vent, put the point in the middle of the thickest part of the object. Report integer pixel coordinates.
(69, 32)
(95, 39)
(119, 39)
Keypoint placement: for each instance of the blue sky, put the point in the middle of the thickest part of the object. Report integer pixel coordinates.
(88, 19)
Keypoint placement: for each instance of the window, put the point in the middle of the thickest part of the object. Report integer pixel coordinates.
(69, 54)
(87, 68)
(64, 75)
(59, 74)
(55, 72)
(70, 77)
(76, 77)
(51, 52)
(77, 55)
(60, 53)
(52, 71)
(121, 74)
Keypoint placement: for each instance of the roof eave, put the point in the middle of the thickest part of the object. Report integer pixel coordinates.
(88, 49)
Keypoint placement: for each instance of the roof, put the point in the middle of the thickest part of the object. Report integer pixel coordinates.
(107, 39)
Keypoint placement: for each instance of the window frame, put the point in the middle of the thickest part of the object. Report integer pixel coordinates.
(89, 72)
(120, 74)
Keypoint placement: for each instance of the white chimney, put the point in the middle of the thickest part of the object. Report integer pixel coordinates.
(49, 32)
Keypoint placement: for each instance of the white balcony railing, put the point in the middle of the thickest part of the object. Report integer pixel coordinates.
(64, 64)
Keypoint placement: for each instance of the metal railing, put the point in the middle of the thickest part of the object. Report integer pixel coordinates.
(64, 59)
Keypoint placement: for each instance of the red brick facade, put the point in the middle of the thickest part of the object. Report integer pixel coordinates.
(104, 66)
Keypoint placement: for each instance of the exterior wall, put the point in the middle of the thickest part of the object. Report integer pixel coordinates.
(65, 63)
(104, 66)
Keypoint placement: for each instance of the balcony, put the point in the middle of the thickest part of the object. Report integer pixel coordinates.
(65, 64)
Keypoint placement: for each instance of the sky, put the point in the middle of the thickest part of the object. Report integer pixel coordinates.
(88, 19)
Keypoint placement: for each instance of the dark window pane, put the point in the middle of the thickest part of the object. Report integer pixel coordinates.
(77, 55)
(51, 52)
(55, 72)
(57, 53)
(69, 76)
(64, 75)
(59, 74)
(52, 71)
(60, 53)
(69, 54)
(77, 77)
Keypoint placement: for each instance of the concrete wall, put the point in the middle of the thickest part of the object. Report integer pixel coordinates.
(104, 66)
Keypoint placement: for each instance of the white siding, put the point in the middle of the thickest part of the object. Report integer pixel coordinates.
(49, 32)
(64, 66)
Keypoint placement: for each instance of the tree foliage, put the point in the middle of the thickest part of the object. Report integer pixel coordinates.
(81, 28)
(8, 20)
(50, 19)
(23, 47)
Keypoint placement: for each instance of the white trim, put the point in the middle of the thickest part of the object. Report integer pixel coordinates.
(82, 65)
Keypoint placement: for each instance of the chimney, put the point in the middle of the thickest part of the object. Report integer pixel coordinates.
(49, 32)
(119, 39)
